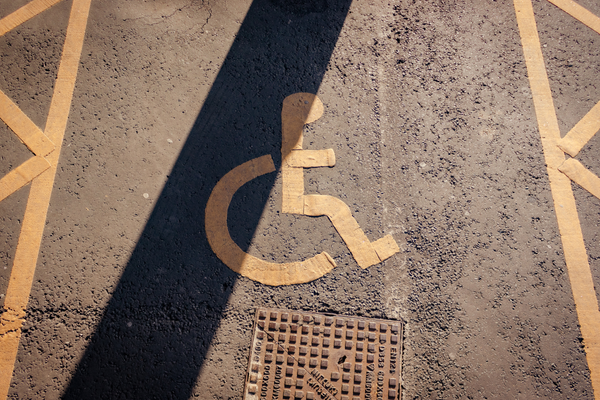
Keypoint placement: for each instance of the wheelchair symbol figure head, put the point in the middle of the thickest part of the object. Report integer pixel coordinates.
(306, 107)
(297, 110)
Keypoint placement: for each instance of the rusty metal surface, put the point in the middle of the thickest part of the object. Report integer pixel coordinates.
(302, 355)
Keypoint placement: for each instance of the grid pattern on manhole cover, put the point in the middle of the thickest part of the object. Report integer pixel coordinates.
(300, 355)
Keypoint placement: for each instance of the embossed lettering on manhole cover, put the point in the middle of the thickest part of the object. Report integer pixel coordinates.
(300, 355)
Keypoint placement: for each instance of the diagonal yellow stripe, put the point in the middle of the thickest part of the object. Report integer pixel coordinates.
(21, 278)
(23, 127)
(579, 13)
(22, 175)
(24, 14)
(569, 226)
(582, 132)
(581, 176)
(67, 73)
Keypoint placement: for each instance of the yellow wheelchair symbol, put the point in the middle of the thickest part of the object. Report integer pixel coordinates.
(298, 109)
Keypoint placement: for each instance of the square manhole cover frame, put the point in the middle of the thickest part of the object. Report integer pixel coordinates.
(305, 355)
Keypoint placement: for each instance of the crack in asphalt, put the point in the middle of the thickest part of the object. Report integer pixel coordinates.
(177, 10)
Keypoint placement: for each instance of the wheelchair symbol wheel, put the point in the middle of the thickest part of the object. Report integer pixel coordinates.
(298, 109)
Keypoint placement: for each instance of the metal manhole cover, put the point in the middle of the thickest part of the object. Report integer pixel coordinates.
(301, 355)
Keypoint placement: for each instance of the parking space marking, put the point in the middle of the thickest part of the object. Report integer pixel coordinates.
(582, 132)
(298, 110)
(217, 232)
(311, 158)
(579, 13)
(26, 255)
(293, 118)
(24, 14)
(22, 175)
(23, 127)
(576, 258)
(581, 175)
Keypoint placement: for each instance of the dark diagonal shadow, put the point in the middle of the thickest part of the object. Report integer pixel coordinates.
(154, 335)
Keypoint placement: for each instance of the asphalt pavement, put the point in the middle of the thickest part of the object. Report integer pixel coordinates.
(463, 133)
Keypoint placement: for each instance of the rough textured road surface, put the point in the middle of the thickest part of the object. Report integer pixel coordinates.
(429, 109)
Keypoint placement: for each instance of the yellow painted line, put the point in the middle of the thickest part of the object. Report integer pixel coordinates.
(24, 13)
(582, 132)
(386, 247)
(232, 255)
(581, 175)
(23, 270)
(341, 217)
(23, 127)
(579, 13)
(298, 110)
(311, 158)
(22, 175)
(292, 190)
(569, 226)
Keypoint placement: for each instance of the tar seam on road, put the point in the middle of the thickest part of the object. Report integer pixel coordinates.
(564, 201)
(22, 273)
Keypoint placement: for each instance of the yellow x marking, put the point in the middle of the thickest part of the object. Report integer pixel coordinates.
(39, 170)
(559, 172)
